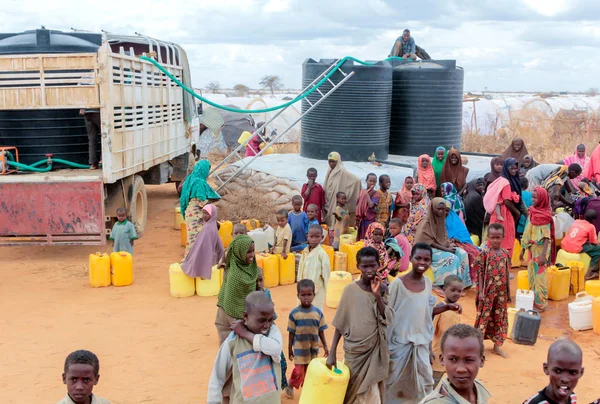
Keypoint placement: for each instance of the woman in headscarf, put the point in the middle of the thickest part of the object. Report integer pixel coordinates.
(418, 210)
(339, 179)
(426, 175)
(494, 174)
(475, 212)
(456, 202)
(195, 194)
(239, 280)
(438, 165)
(374, 239)
(207, 251)
(403, 198)
(538, 238)
(516, 150)
(447, 258)
(454, 171)
(579, 157)
(526, 164)
(459, 235)
(502, 202)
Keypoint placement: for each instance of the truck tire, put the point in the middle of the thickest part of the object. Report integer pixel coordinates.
(138, 205)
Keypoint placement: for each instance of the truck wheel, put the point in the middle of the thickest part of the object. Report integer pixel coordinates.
(138, 205)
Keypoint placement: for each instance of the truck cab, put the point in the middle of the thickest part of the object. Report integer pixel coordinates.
(148, 126)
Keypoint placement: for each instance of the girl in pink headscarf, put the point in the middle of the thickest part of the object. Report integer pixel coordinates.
(579, 157)
(207, 250)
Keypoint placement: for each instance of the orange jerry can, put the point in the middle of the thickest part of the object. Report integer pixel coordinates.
(270, 266)
(121, 268)
(350, 250)
(330, 253)
(99, 271)
(226, 232)
(183, 234)
(287, 269)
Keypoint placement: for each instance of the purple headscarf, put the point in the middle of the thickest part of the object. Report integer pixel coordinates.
(207, 250)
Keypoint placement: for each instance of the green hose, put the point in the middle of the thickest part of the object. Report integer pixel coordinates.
(34, 167)
(70, 164)
(25, 167)
(259, 111)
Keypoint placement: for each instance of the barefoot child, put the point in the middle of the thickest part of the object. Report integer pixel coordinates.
(362, 318)
(493, 289)
(314, 265)
(411, 332)
(283, 235)
(123, 233)
(365, 207)
(538, 238)
(313, 193)
(298, 221)
(306, 326)
(81, 374)
(251, 354)
(207, 250)
(462, 355)
(564, 369)
(385, 202)
(453, 287)
(341, 220)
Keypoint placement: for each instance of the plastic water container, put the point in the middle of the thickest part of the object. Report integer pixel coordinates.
(593, 288)
(524, 300)
(345, 239)
(559, 282)
(251, 224)
(326, 239)
(244, 136)
(516, 262)
(287, 269)
(270, 266)
(523, 280)
(340, 261)
(580, 312)
(270, 232)
(596, 315)
(121, 268)
(99, 271)
(225, 232)
(323, 385)
(330, 253)
(511, 320)
(526, 328)
(181, 285)
(564, 258)
(260, 240)
(338, 280)
(350, 250)
(178, 218)
(183, 234)
(209, 287)
(475, 240)
(577, 276)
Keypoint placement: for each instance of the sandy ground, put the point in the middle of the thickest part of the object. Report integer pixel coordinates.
(157, 349)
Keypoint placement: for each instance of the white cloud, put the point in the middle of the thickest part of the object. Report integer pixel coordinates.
(548, 8)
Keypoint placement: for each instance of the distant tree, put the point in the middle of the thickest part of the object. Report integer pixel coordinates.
(271, 82)
(241, 90)
(592, 91)
(213, 87)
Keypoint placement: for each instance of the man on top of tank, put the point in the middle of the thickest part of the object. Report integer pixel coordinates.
(405, 46)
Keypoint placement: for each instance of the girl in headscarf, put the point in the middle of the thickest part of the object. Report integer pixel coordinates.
(502, 201)
(494, 174)
(538, 238)
(454, 171)
(475, 212)
(425, 174)
(592, 170)
(365, 206)
(516, 150)
(418, 210)
(459, 235)
(239, 280)
(195, 194)
(579, 157)
(439, 159)
(447, 258)
(207, 251)
(403, 198)
(526, 164)
(339, 179)
(374, 239)
(456, 202)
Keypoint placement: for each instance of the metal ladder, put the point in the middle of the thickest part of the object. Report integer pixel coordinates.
(236, 153)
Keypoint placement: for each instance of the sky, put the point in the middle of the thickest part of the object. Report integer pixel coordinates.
(503, 45)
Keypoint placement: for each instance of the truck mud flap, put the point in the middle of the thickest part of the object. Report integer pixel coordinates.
(52, 212)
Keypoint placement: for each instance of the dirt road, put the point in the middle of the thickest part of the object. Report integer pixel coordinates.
(157, 349)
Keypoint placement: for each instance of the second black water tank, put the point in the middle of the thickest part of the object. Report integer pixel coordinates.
(427, 103)
(355, 119)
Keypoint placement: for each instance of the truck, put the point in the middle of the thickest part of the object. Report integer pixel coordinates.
(148, 129)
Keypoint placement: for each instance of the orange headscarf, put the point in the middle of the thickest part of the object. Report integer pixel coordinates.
(426, 175)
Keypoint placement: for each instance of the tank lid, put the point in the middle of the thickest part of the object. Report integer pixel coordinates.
(337, 371)
(424, 64)
(49, 41)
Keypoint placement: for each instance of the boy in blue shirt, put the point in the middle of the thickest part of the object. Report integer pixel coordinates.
(123, 233)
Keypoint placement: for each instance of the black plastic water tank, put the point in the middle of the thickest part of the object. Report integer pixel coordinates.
(427, 103)
(36, 133)
(49, 41)
(355, 119)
